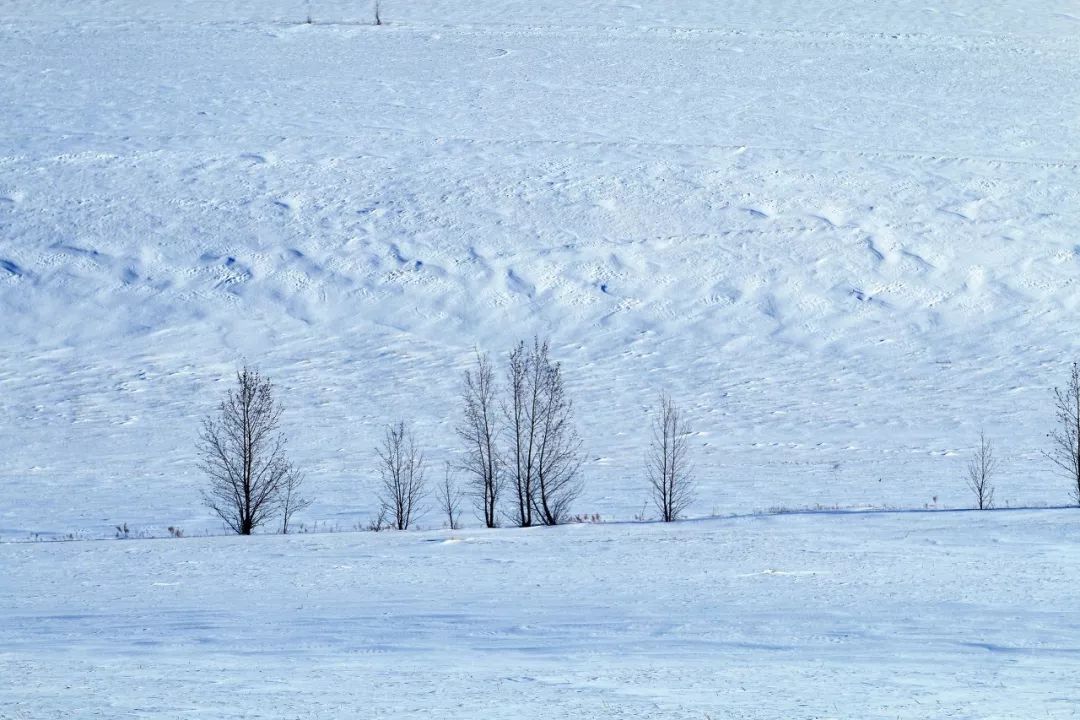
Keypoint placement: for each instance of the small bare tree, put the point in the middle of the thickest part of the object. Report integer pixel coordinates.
(243, 454)
(1065, 450)
(449, 498)
(480, 433)
(667, 462)
(292, 501)
(401, 466)
(980, 472)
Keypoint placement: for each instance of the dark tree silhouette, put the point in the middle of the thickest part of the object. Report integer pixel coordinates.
(667, 463)
(479, 432)
(980, 472)
(401, 466)
(243, 454)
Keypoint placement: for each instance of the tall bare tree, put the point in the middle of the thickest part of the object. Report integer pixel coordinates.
(449, 498)
(401, 467)
(667, 461)
(544, 448)
(1065, 449)
(291, 500)
(558, 446)
(243, 454)
(519, 410)
(479, 431)
(981, 469)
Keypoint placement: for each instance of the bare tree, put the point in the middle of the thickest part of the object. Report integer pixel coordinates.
(980, 472)
(401, 466)
(378, 16)
(543, 457)
(480, 433)
(244, 454)
(291, 499)
(667, 461)
(520, 413)
(1065, 450)
(449, 498)
(558, 447)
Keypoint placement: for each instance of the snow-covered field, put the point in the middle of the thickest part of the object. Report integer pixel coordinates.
(845, 235)
(869, 616)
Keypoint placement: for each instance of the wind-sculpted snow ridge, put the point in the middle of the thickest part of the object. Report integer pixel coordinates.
(844, 237)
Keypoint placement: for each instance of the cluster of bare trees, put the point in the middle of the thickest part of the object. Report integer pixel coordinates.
(521, 453)
(522, 450)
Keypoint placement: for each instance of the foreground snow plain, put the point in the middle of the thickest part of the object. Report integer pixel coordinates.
(867, 615)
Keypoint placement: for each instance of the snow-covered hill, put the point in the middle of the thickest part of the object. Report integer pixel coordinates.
(843, 234)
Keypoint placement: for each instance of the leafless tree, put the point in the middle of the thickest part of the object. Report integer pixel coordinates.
(292, 501)
(519, 410)
(544, 444)
(1065, 450)
(980, 472)
(449, 498)
(401, 466)
(243, 453)
(667, 461)
(480, 433)
(378, 16)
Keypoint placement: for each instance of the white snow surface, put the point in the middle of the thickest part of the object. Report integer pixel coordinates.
(865, 615)
(844, 235)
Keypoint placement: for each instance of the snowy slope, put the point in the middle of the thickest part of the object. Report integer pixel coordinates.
(844, 234)
(869, 616)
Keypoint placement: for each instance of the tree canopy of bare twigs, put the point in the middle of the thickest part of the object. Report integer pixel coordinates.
(667, 461)
(1065, 439)
(292, 501)
(479, 431)
(243, 454)
(544, 448)
(401, 467)
(449, 498)
(980, 473)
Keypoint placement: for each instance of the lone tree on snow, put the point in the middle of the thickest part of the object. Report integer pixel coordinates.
(667, 462)
(980, 470)
(243, 454)
(479, 431)
(1065, 450)
(543, 457)
(401, 466)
